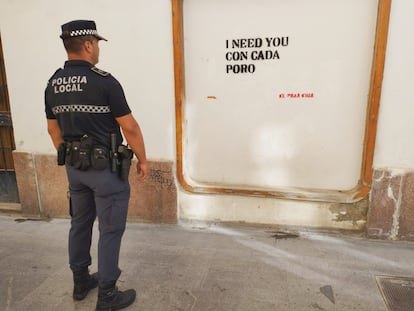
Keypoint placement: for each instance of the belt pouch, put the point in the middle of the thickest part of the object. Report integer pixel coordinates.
(74, 154)
(99, 158)
(85, 149)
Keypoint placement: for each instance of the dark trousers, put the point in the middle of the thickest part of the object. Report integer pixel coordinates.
(103, 194)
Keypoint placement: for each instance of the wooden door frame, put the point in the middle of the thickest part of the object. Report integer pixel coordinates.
(6, 126)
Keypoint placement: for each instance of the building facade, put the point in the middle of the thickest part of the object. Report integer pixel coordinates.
(246, 118)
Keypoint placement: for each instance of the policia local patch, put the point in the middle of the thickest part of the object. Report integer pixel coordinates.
(73, 83)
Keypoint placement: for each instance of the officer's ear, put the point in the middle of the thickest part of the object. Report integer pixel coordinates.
(87, 45)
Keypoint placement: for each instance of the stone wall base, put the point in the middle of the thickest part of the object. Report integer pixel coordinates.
(43, 189)
(391, 211)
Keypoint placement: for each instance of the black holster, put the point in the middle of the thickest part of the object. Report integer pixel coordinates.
(125, 156)
(61, 154)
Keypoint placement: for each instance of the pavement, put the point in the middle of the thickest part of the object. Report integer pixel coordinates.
(198, 266)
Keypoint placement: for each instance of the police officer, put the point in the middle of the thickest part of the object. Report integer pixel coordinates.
(86, 111)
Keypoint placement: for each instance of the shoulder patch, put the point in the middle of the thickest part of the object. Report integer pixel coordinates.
(59, 69)
(99, 71)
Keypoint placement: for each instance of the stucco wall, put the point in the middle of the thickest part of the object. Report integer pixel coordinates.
(394, 148)
(138, 54)
(391, 212)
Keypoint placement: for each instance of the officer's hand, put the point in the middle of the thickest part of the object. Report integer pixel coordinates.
(142, 171)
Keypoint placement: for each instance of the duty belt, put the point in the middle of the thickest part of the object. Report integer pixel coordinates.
(84, 154)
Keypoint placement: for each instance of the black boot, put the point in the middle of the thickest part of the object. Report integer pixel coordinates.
(112, 299)
(83, 283)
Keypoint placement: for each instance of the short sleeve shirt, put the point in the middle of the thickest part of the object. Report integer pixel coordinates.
(85, 101)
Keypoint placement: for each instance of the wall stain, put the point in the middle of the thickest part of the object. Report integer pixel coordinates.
(353, 212)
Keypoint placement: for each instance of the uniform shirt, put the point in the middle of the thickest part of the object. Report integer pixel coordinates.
(85, 100)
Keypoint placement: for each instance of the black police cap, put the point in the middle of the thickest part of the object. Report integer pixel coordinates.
(79, 28)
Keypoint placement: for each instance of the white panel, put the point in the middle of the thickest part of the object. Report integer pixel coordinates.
(250, 129)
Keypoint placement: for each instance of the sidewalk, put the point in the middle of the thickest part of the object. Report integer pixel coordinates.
(205, 267)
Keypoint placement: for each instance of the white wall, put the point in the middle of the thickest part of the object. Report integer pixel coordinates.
(395, 139)
(138, 54)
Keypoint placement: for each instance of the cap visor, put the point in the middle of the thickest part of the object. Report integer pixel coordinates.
(100, 37)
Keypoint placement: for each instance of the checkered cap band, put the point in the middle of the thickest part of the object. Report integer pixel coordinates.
(80, 108)
(83, 32)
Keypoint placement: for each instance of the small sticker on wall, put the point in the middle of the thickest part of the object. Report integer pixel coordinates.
(296, 95)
